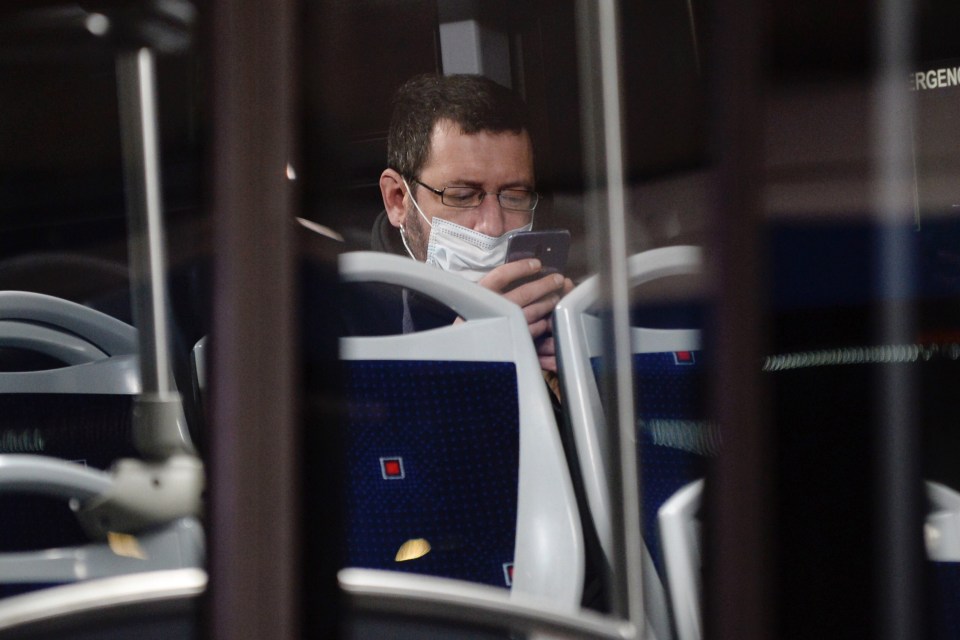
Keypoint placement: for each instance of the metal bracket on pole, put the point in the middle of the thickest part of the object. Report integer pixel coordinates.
(145, 495)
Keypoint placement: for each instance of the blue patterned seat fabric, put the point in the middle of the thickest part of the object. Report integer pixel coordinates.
(674, 440)
(945, 600)
(433, 454)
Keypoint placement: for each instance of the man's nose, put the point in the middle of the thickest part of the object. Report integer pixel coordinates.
(490, 219)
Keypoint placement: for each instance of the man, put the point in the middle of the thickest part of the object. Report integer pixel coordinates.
(460, 178)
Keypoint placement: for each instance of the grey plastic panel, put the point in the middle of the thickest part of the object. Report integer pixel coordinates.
(116, 375)
(177, 545)
(99, 350)
(112, 336)
(51, 476)
(65, 347)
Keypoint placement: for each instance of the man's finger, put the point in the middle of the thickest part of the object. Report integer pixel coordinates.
(546, 346)
(548, 363)
(541, 309)
(539, 328)
(536, 290)
(500, 278)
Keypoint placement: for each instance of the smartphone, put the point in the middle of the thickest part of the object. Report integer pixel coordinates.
(549, 246)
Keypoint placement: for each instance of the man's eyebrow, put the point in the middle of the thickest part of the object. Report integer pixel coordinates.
(464, 183)
(518, 184)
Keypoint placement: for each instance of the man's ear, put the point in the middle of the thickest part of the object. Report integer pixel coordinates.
(394, 196)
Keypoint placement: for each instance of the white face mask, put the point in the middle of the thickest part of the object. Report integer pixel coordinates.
(457, 249)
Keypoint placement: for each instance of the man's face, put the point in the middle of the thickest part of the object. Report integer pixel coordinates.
(490, 161)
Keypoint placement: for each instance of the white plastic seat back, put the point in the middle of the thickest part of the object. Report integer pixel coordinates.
(548, 552)
(578, 331)
(198, 363)
(580, 339)
(942, 536)
(942, 527)
(680, 533)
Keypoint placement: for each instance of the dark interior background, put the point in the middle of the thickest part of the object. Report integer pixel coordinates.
(60, 173)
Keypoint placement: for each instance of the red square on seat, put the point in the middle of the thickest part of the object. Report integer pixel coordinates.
(391, 468)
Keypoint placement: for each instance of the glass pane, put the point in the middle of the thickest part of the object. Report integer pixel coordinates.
(77, 391)
(858, 218)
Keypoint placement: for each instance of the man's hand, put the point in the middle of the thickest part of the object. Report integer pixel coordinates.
(536, 299)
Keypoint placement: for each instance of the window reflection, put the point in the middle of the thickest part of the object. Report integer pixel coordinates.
(836, 387)
(100, 475)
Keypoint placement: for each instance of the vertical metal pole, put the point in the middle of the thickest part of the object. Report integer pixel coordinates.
(737, 556)
(254, 514)
(136, 88)
(899, 513)
(603, 159)
(159, 427)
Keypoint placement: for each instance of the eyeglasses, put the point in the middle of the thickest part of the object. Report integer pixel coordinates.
(470, 197)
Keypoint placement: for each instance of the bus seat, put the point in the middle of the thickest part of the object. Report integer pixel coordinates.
(681, 532)
(942, 537)
(170, 546)
(455, 465)
(674, 440)
(68, 378)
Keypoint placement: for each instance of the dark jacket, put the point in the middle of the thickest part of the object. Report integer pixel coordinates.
(385, 237)
(416, 312)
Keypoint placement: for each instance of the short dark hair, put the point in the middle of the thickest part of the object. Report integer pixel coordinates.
(472, 102)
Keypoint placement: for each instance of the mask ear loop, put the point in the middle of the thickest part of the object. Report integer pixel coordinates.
(403, 233)
(403, 238)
